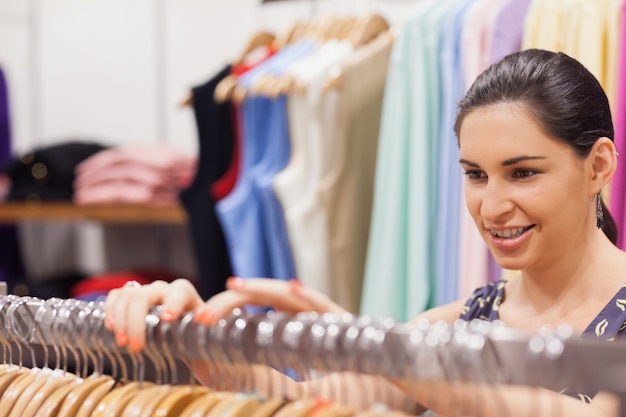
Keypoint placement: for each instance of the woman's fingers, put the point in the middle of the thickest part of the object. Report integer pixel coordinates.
(126, 308)
(288, 296)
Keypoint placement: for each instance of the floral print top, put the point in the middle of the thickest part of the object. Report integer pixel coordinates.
(608, 325)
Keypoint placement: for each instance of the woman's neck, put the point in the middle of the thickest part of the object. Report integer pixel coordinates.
(573, 290)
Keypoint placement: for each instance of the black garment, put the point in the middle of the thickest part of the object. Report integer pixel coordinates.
(47, 173)
(215, 133)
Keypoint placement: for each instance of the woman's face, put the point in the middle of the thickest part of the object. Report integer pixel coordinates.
(525, 190)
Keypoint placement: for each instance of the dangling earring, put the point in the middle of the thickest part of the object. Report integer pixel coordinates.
(599, 212)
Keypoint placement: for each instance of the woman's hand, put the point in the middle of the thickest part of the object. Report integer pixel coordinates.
(127, 307)
(286, 296)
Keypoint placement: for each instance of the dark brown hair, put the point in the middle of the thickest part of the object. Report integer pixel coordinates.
(565, 98)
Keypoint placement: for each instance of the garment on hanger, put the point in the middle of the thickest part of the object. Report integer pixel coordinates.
(216, 138)
(225, 184)
(345, 192)
(450, 174)
(311, 150)
(398, 276)
(251, 207)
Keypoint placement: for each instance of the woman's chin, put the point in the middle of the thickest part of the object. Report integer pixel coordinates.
(509, 263)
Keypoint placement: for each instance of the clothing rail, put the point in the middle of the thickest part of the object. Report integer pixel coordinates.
(465, 351)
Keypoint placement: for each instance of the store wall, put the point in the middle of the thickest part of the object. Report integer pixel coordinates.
(115, 71)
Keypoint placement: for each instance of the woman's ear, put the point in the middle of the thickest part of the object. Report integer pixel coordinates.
(603, 158)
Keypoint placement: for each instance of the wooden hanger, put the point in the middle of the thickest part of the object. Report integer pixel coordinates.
(53, 401)
(298, 408)
(90, 402)
(116, 400)
(79, 394)
(202, 405)
(262, 38)
(245, 407)
(319, 28)
(7, 378)
(225, 88)
(335, 76)
(145, 401)
(293, 34)
(269, 407)
(178, 399)
(367, 28)
(346, 27)
(31, 387)
(15, 389)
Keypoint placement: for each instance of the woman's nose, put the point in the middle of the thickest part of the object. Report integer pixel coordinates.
(496, 201)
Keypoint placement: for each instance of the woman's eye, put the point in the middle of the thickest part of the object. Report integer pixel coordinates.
(475, 175)
(524, 173)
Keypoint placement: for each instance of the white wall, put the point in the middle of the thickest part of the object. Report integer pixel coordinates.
(115, 71)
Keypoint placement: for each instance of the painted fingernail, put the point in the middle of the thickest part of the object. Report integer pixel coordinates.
(197, 317)
(234, 283)
(169, 315)
(121, 338)
(109, 322)
(135, 344)
(209, 318)
(295, 285)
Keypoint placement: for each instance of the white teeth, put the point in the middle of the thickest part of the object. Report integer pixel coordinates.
(508, 233)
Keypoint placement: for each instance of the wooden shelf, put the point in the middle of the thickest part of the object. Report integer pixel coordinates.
(13, 212)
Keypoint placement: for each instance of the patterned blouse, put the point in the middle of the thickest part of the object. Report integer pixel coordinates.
(608, 325)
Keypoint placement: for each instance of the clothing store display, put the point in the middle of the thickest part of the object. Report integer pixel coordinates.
(47, 173)
(450, 198)
(150, 175)
(402, 224)
(312, 149)
(247, 211)
(508, 28)
(225, 184)
(216, 138)
(345, 193)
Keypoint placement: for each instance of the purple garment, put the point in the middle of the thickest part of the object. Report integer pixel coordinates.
(5, 131)
(618, 192)
(508, 28)
(10, 259)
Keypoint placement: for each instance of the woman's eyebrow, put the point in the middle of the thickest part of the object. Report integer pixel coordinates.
(518, 159)
(507, 162)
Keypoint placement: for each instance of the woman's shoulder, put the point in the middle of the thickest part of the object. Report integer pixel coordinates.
(483, 304)
(448, 313)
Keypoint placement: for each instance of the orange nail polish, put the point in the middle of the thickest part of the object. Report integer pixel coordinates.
(197, 317)
(234, 283)
(295, 285)
(109, 322)
(169, 315)
(121, 338)
(135, 344)
(209, 318)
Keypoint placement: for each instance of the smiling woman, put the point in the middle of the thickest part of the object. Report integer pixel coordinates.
(536, 142)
